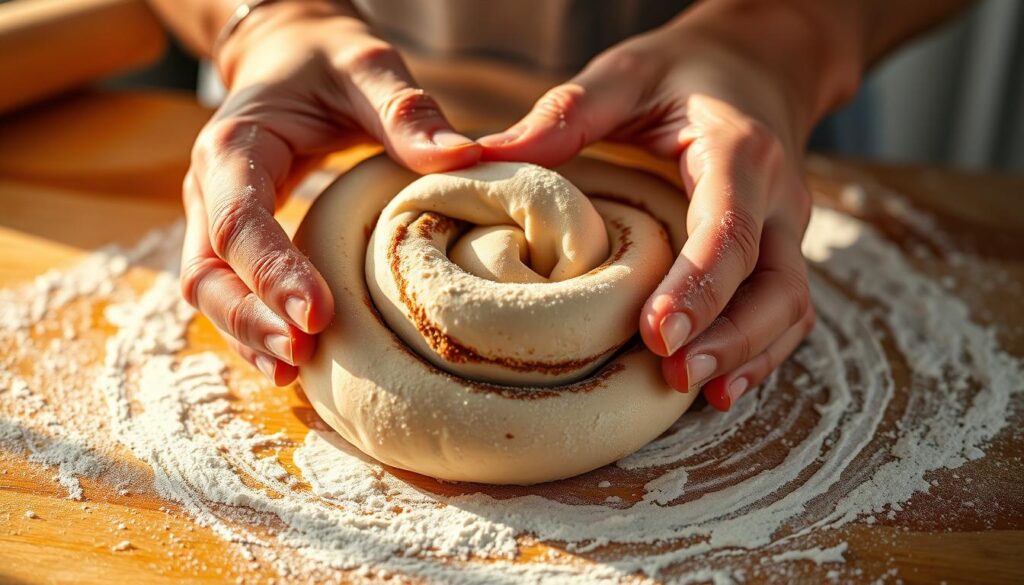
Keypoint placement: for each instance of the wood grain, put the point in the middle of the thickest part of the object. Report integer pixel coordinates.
(55, 208)
(54, 45)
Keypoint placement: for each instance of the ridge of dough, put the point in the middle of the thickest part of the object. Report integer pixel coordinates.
(508, 296)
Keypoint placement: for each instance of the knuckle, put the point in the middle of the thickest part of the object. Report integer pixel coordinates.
(228, 223)
(704, 297)
(367, 57)
(271, 268)
(237, 316)
(407, 104)
(561, 102)
(774, 357)
(740, 344)
(193, 273)
(741, 236)
(759, 144)
(219, 137)
(627, 61)
(762, 364)
(798, 294)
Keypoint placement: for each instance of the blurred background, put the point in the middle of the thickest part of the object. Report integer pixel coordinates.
(953, 97)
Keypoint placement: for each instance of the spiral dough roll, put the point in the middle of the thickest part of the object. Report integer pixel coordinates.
(486, 319)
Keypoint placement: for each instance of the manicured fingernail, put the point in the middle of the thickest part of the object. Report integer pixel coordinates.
(652, 323)
(699, 368)
(267, 366)
(450, 139)
(298, 309)
(737, 387)
(281, 346)
(499, 139)
(718, 397)
(675, 329)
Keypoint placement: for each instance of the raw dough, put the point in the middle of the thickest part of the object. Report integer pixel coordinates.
(504, 349)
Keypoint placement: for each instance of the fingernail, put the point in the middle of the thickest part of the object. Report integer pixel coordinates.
(673, 370)
(718, 397)
(499, 139)
(450, 139)
(651, 322)
(699, 368)
(266, 365)
(281, 346)
(675, 329)
(298, 309)
(737, 387)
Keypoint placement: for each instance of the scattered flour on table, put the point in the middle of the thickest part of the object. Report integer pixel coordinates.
(817, 555)
(837, 436)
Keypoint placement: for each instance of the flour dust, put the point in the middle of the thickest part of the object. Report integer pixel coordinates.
(896, 384)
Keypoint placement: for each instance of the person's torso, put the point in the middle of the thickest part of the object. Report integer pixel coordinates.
(549, 34)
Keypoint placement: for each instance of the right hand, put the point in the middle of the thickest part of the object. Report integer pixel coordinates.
(304, 79)
(716, 94)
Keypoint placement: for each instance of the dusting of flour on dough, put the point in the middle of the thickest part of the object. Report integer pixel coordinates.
(838, 436)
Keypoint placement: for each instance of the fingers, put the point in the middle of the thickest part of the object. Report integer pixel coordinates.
(767, 307)
(278, 372)
(730, 176)
(575, 114)
(396, 111)
(236, 167)
(210, 284)
(724, 391)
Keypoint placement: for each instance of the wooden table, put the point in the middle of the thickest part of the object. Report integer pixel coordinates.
(104, 167)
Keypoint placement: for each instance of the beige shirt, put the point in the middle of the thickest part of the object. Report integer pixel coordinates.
(555, 35)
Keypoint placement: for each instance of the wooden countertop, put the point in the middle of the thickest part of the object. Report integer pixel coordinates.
(96, 168)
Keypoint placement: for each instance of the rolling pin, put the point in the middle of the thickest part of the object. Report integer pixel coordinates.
(49, 46)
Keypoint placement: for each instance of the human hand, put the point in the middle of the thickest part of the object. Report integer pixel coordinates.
(305, 79)
(735, 303)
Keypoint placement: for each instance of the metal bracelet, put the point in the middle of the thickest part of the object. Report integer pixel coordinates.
(242, 11)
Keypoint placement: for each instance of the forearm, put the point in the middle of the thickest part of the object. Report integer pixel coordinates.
(887, 24)
(198, 23)
(820, 49)
(195, 22)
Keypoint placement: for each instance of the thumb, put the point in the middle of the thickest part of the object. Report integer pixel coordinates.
(602, 98)
(405, 118)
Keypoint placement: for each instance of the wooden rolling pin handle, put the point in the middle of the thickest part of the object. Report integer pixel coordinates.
(49, 46)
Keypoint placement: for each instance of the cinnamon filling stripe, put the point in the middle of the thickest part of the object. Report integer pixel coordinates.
(446, 346)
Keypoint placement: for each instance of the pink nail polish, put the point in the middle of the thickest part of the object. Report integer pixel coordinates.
(675, 329)
(699, 368)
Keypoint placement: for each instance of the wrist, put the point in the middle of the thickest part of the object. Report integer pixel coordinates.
(811, 48)
(269, 17)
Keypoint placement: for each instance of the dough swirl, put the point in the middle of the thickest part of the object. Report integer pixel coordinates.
(486, 331)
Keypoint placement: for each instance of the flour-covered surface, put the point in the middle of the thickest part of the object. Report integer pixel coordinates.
(895, 427)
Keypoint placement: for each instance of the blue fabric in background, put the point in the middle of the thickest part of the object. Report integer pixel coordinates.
(849, 131)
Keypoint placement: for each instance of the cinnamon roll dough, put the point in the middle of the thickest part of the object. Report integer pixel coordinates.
(486, 319)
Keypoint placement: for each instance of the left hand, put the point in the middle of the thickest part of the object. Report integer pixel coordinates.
(305, 79)
(736, 302)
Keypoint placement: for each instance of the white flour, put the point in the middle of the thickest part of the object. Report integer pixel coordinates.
(843, 433)
(817, 554)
